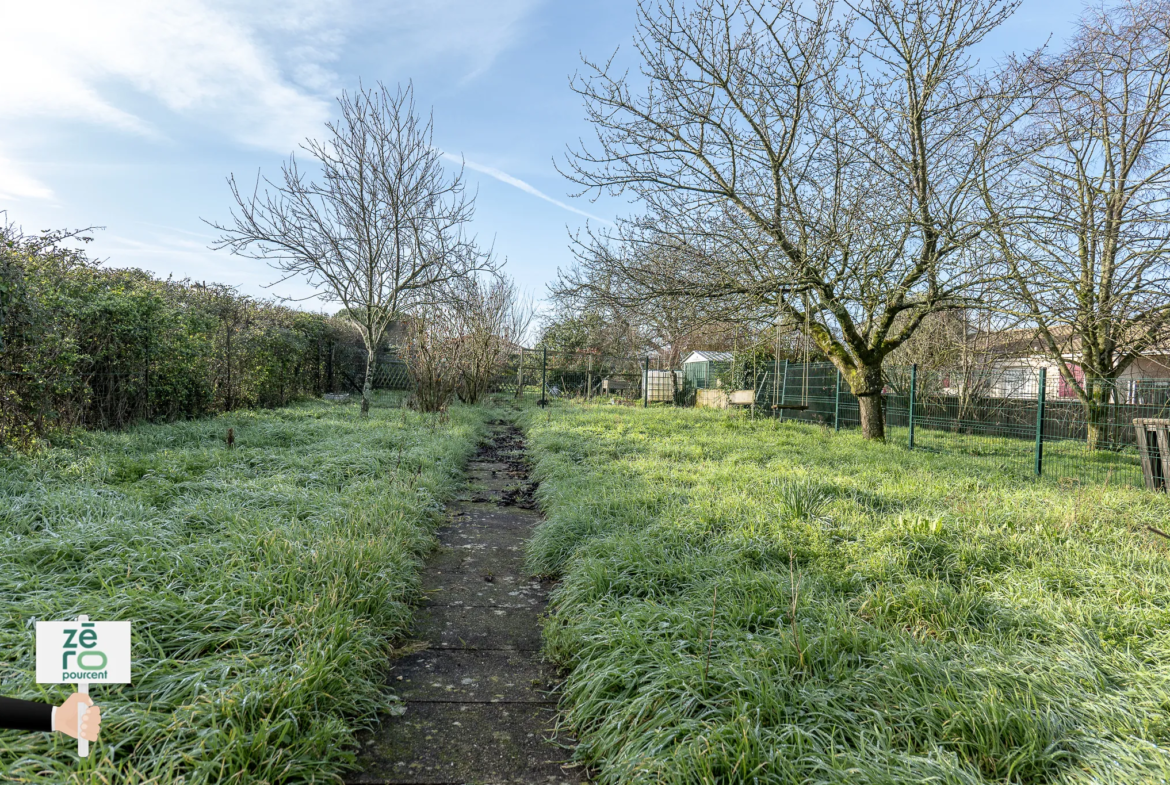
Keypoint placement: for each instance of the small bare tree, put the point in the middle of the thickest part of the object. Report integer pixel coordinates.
(494, 316)
(1083, 227)
(381, 232)
(435, 355)
(787, 152)
(959, 353)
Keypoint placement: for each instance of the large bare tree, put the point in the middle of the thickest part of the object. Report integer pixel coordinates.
(790, 152)
(1084, 230)
(382, 229)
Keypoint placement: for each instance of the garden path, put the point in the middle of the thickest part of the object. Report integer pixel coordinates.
(479, 698)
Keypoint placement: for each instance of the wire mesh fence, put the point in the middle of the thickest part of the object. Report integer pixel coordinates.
(1021, 421)
(543, 376)
(1018, 420)
(1031, 420)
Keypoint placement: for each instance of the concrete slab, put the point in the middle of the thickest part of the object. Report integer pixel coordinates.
(485, 537)
(469, 627)
(437, 676)
(484, 467)
(506, 591)
(476, 743)
(481, 559)
(493, 515)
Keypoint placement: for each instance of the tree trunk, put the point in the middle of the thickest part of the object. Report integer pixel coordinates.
(873, 421)
(368, 384)
(1099, 391)
(866, 384)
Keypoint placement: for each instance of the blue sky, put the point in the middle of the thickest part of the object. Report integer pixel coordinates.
(130, 114)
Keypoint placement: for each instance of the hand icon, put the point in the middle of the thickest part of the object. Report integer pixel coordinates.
(65, 718)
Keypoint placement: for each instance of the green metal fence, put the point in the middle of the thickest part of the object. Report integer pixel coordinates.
(543, 376)
(344, 370)
(1019, 419)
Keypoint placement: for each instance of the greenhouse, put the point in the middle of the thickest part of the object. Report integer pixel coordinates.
(702, 369)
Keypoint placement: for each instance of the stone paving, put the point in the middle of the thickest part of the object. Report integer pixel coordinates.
(480, 706)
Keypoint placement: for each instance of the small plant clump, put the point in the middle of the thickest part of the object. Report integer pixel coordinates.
(266, 584)
(802, 500)
(765, 605)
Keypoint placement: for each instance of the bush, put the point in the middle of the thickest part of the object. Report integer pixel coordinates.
(89, 346)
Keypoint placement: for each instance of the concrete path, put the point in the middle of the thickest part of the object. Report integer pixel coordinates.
(478, 697)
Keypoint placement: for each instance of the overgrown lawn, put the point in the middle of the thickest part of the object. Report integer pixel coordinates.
(753, 602)
(266, 584)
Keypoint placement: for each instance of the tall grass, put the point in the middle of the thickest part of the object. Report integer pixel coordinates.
(880, 616)
(266, 585)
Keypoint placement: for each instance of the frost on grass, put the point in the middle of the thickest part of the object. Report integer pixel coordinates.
(880, 616)
(266, 584)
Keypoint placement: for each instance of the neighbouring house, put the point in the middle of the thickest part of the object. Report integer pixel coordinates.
(1012, 370)
(702, 369)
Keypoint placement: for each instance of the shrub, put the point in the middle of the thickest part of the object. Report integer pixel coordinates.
(85, 345)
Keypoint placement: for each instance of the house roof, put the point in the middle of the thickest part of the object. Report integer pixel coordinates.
(708, 357)
(1027, 342)
(1023, 342)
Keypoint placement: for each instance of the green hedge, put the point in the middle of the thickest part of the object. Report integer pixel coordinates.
(90, 346)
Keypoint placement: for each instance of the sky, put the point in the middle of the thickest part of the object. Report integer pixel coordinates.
(131, 114)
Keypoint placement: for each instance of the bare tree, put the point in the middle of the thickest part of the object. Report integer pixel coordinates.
(382, 232)
(1084, 231)
(666, 326)
(435, 355)
(959, 354)
(672, 326)
(787, 152)
(495, 317)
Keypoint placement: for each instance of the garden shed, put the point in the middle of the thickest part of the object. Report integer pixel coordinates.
(700, 369)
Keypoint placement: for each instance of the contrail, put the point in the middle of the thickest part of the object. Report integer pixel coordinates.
(516, 182)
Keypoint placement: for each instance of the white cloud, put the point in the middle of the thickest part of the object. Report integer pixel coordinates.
(516, 182)
(15, 183)
(260, 72)
(82, 61)
(473, 31)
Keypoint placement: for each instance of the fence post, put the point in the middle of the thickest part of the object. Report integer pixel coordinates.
(646, 384)
(520, 375)
(837, 403)
(543, 375)
(783, 391)
(913, 395)
(1040, 423)
(146, 371)
(589, 379)
(776, 374)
